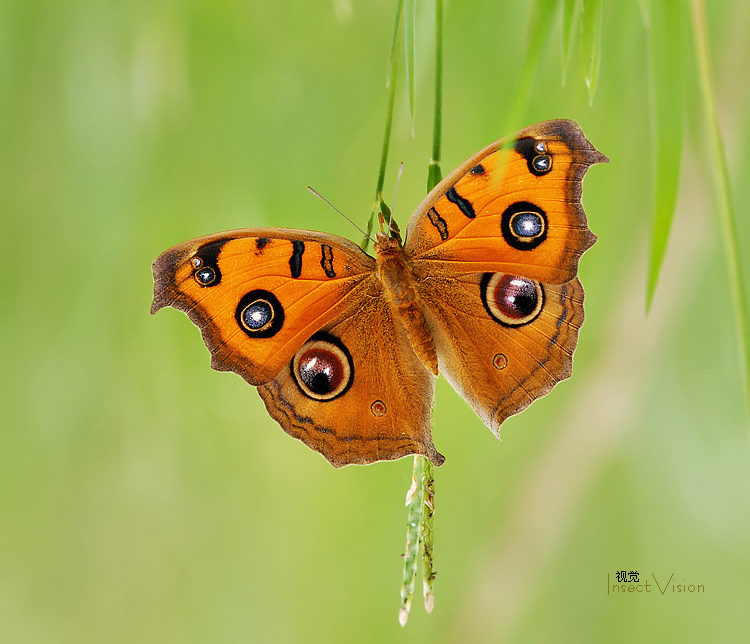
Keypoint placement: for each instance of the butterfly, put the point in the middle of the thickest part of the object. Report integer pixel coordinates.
(344, 348)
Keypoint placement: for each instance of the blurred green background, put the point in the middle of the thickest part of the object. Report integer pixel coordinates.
(146, 498)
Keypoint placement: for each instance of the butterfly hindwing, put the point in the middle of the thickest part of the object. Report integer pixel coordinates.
(379, 404)
(503, 341)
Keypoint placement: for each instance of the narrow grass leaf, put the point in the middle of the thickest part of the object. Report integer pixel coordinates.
(421, 495)
(570, 13)
(410, 40)
(393, 58)
(665, 25)
(591, 41)
(434, 172)
(391, 85)
(723, 188)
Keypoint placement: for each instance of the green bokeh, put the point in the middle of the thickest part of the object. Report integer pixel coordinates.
(146, 498)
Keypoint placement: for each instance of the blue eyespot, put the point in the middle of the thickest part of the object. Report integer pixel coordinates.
(527, 225)
(205, 276)
(542, 163)
(257, 315)
(524, 225)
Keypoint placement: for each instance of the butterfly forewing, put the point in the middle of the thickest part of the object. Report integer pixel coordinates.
(259, 294)
(512, 208)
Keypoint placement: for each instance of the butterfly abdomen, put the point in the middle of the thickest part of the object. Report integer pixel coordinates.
(399, 288)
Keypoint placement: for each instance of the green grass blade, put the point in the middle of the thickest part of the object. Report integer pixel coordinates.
(380, 206)
(591, 39)
(421, 495)
(390, 72)
(434, 172)
(571, 10)
(665, 25)
(425, 468)
(410, 45)
(723, 188)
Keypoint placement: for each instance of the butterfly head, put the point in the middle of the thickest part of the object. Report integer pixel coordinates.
(388, 225)
(387, 245)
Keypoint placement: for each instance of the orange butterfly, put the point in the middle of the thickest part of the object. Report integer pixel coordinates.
(344, 348)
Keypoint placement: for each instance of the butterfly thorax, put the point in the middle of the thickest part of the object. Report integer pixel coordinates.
(399, 288)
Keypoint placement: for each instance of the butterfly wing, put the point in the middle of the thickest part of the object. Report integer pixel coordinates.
(495, 249)
(514, 207)
(258, 294)
(289, 311)
(501, 355)
(383, 410)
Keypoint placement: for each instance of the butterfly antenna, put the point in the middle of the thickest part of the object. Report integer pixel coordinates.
(395, 192)
(322, 198)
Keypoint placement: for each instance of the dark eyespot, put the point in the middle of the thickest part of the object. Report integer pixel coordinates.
(542, 163)
(257, 316)
(524, 225)
(321, 371)
(538, 159)
(260, 314)
(205, 276)
(205, 263)
(510, 299)
(323, 368)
